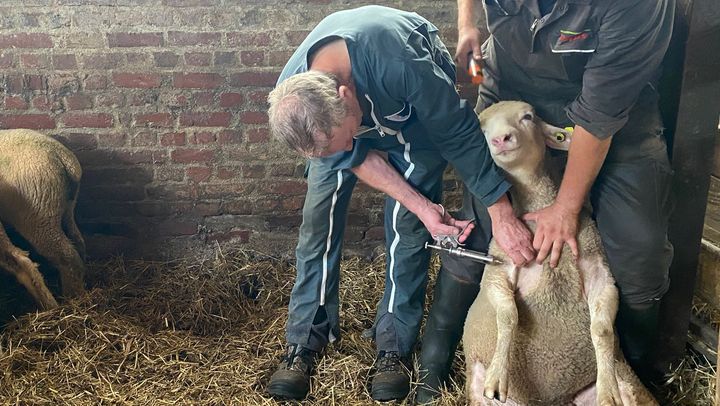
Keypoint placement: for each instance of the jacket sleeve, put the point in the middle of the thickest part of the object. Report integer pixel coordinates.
(632, 40)
(449, 120)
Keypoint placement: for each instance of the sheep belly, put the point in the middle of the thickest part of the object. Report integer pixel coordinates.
(552, 356)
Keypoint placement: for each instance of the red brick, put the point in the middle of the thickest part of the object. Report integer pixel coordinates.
(203, 99)
(140, 157)
(34, 121)
(198, 58)
(257, 135)
(138, 60)
(190, 3)
(295, 38)
(78, 102)
(77, 141)
(193, 38)
(375, 233)
(101, 61)
(240, 207)
(154, 120)
(64, 62)
(197, 80)
(259, 39)
(39, 82)
(253, 171)
(14, 84)
(199, 174)
(192, 155)
(229, 137)
(144, 139)
(136, 80)
(259, 97)
(175, 227)
(252, 58)
(44, 103)
(203, 137)
(96, 82)
(25, 40)
(222, 191)
(227, 172)
(292, 203)
(278, 58)
(110, 99)
(15, 103)
(205, 119)
(225, 58)
(266, 79)
(135, 39)
(288, 187)
(169, 139)
(35, 61)
(231, 99)
(112, 139)
(7, 60)
(253, 117)
(90, 120)
(165, 59)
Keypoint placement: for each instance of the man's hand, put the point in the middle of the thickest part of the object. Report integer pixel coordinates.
(439, 222)
(468, 41)
(556, 226)
(510, 233)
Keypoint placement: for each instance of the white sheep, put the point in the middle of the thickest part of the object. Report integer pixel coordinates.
(537, 335)
(39, 183)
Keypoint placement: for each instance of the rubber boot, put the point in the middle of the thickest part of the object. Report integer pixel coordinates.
(443, 330)
(637, 326)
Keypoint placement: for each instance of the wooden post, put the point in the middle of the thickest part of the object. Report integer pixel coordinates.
(691, 99)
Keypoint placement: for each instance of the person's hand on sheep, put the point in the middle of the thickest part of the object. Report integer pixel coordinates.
(438, 222)
(510, 233)
(556, 226)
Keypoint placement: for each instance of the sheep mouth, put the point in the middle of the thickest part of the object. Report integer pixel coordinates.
(505, 151)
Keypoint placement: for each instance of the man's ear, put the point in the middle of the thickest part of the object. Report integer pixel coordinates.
(345, 92)
(556, 137)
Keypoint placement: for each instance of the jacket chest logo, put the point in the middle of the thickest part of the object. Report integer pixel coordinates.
(570, 36)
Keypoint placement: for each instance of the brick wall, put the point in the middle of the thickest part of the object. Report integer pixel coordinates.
(163, 101)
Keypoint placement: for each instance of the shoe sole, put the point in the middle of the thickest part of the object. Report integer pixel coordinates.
(386, 395)
(286, 391)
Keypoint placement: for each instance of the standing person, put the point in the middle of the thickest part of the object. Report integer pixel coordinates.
(592, 65)
(366, 80)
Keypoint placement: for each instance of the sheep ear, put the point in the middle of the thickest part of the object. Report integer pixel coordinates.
(556, 137)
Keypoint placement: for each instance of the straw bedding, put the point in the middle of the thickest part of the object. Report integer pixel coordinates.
(208, 333)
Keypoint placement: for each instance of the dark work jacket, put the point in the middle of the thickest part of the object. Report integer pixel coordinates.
(407, 76)
(594, 63)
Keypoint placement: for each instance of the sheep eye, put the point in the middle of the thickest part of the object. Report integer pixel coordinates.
(560, 137)
(527, 116)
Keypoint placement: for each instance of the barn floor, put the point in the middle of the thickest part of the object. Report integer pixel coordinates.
(207, 332)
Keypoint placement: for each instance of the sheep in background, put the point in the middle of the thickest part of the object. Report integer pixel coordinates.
(537, 335)
(39, 183)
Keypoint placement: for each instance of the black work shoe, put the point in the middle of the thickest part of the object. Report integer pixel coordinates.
(392, 376)
(292, 378)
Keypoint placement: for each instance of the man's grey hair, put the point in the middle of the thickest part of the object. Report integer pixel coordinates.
(303, 110)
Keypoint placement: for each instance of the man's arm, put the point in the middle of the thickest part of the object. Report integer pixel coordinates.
(377, 172)
(469, 37)
(557, 224)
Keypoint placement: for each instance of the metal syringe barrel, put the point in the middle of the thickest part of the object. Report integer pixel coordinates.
(462, 252)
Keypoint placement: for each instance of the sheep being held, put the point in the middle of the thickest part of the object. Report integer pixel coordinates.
(540, 335)
(39, 183)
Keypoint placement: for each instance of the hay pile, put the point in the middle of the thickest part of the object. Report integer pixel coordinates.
(207, 333)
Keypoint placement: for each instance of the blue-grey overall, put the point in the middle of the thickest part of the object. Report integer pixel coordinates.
(407, 78)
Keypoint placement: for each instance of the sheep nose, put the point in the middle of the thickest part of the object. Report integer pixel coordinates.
(502, 140)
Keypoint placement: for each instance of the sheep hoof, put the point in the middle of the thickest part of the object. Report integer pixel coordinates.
(608, 394)
(496, 383)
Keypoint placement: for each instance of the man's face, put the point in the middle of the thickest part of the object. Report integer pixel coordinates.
(341, 137)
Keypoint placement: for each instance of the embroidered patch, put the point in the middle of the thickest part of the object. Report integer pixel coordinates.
(568, 36)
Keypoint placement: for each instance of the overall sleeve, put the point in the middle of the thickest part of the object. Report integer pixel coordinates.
(450, 120)
(632, 40)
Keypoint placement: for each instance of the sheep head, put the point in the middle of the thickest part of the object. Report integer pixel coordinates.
(517, 137)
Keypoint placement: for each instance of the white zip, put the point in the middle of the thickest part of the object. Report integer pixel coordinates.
(379, 127)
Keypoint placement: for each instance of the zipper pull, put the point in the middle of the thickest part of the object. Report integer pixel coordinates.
(534, 24)
(382, 133)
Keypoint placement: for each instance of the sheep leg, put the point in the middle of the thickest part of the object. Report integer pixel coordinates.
(26, 272)
(71, 228)
(602, 298)
(500, 292)
(47, 237)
